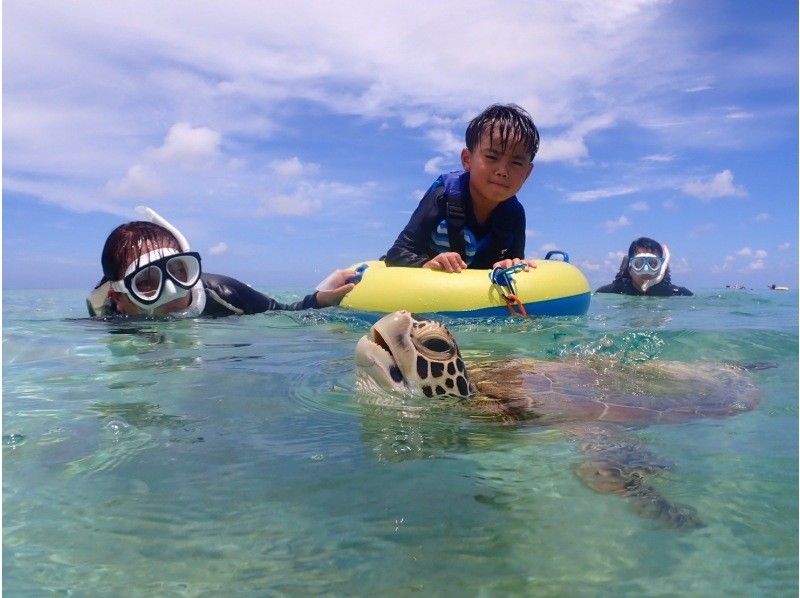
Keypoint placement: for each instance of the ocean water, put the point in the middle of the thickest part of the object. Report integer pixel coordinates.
(234, 457)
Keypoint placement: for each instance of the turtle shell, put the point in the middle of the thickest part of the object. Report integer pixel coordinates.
(653, 392)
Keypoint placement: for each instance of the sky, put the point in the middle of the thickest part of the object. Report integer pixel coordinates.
(286, 139)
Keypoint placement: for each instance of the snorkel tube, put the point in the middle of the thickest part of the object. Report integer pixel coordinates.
(198, 292)
(662, 272)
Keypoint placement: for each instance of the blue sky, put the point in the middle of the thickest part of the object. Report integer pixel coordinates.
(286, 139)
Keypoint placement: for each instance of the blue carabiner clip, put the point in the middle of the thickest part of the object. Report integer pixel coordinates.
(503, 276)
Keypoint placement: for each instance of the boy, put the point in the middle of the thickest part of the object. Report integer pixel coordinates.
(148, 269)
(472, 219)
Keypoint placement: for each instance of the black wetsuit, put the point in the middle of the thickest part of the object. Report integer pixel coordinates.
(623, 285)
(502, 236)
(226, 296)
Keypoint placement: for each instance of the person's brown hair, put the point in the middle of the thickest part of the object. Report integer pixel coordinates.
(129, 241)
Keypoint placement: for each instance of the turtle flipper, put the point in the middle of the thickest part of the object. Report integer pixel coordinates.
(617, 464)
(647, 502)
(613, 477)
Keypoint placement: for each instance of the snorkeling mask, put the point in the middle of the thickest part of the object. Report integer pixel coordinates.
(151, 280)
(158, 277)
(649, 264)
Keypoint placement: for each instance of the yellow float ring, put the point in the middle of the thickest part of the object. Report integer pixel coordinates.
(553, 288)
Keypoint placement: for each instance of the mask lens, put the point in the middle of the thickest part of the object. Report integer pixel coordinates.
(184, 269)
(147, 283)
(640, 263)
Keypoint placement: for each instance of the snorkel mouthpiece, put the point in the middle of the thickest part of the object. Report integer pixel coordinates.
(169, 294)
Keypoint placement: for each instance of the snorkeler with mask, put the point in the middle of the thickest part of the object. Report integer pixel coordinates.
(149, 269)
(645, 271)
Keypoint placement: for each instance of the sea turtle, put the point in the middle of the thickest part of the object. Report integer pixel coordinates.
(594, 401)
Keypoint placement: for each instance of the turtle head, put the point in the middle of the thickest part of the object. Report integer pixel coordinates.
(411, 355)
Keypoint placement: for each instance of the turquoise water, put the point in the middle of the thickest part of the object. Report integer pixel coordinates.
(232, 457)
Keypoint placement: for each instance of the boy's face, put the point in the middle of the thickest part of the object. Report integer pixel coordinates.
(495, 175)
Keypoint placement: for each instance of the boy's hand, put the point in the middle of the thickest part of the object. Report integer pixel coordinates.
(449, 262)
(513, 262)
(334, 296)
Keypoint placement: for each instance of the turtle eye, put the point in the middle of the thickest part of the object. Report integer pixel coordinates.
(436, 344)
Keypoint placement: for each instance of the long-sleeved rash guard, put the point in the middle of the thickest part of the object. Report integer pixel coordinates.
(425, 236)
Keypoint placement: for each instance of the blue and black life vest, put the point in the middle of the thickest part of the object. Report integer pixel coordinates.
(499, 238)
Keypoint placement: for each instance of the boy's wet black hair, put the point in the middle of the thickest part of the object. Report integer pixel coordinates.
(127, 242)
(512, 124)
(646, 243)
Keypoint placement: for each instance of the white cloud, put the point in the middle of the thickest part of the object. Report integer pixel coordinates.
(571, 145)
(289, 205)
(668, 204)
(530, 233)
(434, 165)
(188, 146)
(610, 264)
(762, 217)
(445, 141)
(591, 266)
(737, 114)
(754, 258)
(307, 198)
(720, 185)
(639, 206)
(548, 247)
(138, 182)
(662, 158)
(727, 265)
(680, 265)
(565, 148)
(613, 225)
(293, 168)
(784, 246)
(702, 230)
(603, 193)
(183, 145)
(704, 85)
(218, 249)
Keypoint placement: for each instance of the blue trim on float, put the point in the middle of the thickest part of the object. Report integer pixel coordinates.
(577, 305)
